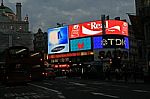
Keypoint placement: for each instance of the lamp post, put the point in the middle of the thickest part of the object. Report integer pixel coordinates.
(103, 24)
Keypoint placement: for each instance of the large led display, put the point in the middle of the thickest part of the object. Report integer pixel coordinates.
(95, 28)
(85, 29)
(116, 27)
(58, 40)
(110, 41)
(80, 44)
(109, 53)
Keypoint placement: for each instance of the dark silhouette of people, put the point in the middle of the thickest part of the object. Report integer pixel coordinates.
(117, 73)
(125, 73)
(107, 73)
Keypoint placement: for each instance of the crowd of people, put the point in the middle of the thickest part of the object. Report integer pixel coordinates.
(124, 73)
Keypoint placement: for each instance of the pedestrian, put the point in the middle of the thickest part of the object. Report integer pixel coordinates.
(107, 73)
(135, 73)
(117, 73)
(125, 73)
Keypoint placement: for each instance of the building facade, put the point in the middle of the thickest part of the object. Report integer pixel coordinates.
(143, 12)
(128, 56)
(13, 30)
(40, 41)
(85, 44)
(142, 7)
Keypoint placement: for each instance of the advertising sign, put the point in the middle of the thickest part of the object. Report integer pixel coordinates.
(95, 28)
(80, 44)
(71, 54)
(107, 54)
(58, 40)
(75, 31)
(116, 27)
(85, 29)
(110, 41)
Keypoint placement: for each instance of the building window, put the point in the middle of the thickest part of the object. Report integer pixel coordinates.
(146, 3)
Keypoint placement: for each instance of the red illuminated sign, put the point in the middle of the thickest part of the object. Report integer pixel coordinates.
(116, 27)
(95, 28)
(85, 29)
(75, 31)
(92, 28)
(70, 54)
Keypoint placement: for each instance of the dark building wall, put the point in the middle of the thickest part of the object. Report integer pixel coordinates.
(142, 6)
(143, 12)
(40, 41)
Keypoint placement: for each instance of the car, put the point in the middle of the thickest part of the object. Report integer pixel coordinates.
(49, 73)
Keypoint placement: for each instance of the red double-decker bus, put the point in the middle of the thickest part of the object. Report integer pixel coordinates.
(36, 63)
(15, 68)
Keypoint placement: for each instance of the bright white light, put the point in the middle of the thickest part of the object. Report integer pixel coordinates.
(53, 37)
(34, 54)
(20, 51)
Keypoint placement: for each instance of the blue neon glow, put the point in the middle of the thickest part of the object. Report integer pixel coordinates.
(97, 42)
(126, 42)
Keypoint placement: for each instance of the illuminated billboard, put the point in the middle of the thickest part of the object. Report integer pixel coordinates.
(85, 29)
(116, 27)
(80, 44)
(107, 54)
(71, 54)
(58, 40)
(110, 41)
(95, 28)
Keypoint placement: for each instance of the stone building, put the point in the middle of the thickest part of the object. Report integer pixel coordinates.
(13, 30)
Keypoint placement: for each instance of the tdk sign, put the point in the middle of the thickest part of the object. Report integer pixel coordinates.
(114, 42)
(110, 41)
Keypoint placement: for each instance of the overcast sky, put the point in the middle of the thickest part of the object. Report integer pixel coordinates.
(45, 14)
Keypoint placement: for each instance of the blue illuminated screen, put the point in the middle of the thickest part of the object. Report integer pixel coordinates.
(97, 42)
(80, 44)
(126, 42)
(110, 41)
(58, 41)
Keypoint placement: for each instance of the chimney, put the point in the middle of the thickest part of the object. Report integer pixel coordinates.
(18, 11)
(2, 3)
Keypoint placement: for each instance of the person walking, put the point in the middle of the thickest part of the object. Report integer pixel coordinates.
(125, 73)
(107, 73)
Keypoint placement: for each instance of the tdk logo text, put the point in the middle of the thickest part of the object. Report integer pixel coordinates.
(113, 42)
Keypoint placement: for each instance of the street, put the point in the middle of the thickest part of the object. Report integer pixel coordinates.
(64, 88)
